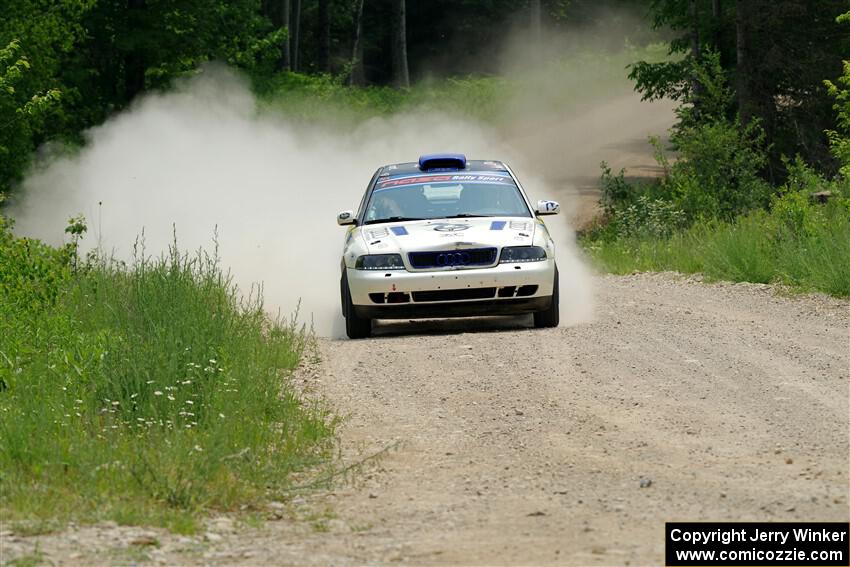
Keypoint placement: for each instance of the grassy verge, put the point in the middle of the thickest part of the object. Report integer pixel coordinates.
(142, 393)
(802, 245)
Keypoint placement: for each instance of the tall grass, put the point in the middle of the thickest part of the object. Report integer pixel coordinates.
(808, 254)
(145, 393)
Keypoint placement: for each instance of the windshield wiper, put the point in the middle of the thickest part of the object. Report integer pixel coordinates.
(466, 216)
(392, 219)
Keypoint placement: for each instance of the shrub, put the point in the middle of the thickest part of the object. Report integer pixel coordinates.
(615, 190)
(717, 173)
(647, 217)
(798, 242)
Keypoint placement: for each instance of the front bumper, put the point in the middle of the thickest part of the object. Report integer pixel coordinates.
(501, 290)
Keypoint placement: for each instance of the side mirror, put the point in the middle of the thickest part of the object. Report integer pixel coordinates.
(346, 217)
(548, 207)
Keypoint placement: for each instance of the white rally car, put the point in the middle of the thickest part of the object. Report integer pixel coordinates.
(447, 237)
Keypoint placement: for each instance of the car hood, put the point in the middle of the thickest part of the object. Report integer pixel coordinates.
(448, 234)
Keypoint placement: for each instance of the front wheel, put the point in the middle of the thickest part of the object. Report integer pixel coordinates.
(549, 317)
(355, 327)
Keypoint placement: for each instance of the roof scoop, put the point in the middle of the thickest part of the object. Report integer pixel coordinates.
(442, 162)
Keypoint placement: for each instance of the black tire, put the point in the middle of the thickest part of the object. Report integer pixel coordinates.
(355, 327)
(549, 317)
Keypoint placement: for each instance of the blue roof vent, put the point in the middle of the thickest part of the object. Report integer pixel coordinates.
(442, 162)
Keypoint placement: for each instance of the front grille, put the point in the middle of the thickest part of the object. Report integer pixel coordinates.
(452, 258)
(454, 294)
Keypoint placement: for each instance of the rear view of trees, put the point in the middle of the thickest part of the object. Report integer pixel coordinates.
(777, 54)
(100, 54)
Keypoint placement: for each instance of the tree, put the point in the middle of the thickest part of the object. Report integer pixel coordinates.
(324, 37)
(536, 22)
(286, 55)
(401, 74)
(744, 18)
(21, 112)
(296, 34)
(134, 56)
(358, 75)
(839, 139)
(778, 51)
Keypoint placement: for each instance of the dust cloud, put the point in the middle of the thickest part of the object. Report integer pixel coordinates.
(205, 155)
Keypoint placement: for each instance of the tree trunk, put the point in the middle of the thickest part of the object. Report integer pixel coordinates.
(536, 24)
(286, 58)
(743, 72)
(296, 33)
(695, 52)
(324, 36)
(717, 22)
(401, 74)
(134, 60)
(695, 47)
(358, 76)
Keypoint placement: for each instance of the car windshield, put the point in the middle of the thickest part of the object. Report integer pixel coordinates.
(445, 196)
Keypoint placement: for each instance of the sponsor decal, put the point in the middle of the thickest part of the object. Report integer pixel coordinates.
(399, 231)
(496, 178)
(497, 225)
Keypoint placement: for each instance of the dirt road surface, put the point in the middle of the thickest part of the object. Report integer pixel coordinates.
(515, 446)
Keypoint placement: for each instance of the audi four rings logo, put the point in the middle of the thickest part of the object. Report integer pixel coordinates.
(449, 227)
(453, 259)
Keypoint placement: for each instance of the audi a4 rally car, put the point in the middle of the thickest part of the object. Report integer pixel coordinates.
(447, 237)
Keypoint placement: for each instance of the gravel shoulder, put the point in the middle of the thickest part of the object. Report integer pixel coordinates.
(506, 445)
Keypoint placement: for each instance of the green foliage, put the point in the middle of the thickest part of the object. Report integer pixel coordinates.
(142, 393)
(717, 173)
(635, 210)
(615, 190)
(788, 48)
(840, 139)
(32, 274)
(99, 54)
(656, 218)
(797, 242)
(21, 112)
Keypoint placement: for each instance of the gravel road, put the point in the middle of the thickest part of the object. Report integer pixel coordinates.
(514, 446)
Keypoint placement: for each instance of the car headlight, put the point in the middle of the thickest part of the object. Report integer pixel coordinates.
(522, 254)
(379, 262)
